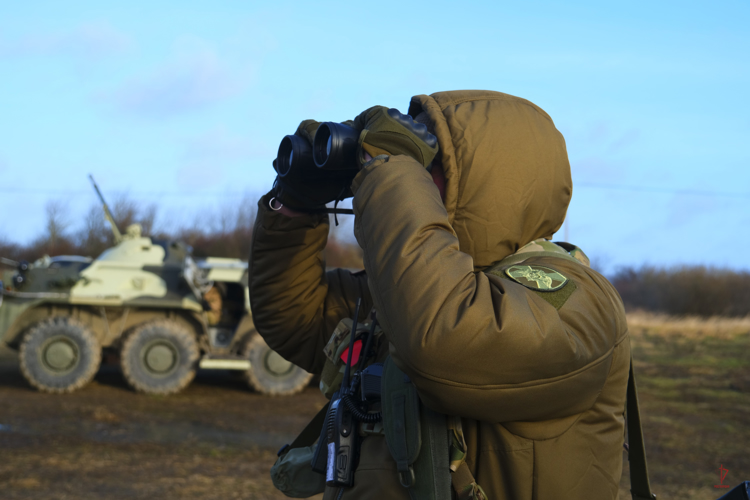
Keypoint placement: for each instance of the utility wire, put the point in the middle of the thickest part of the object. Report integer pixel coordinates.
(155, 194)
(198, 194)
(647, 189)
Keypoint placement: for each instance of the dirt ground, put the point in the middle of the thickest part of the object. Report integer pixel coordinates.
(218, 439)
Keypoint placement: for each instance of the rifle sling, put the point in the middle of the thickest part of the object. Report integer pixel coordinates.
(640, 488)
(311, 432)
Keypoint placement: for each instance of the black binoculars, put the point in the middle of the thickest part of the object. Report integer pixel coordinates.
(331, 156)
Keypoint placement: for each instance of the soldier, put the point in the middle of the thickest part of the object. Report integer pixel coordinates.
(214, 297)
(515, 338)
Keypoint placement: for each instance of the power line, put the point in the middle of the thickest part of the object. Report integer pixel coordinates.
(649, 189)
(198, 194)
(155, 194)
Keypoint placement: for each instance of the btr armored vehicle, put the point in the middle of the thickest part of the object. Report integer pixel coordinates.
(162, 312)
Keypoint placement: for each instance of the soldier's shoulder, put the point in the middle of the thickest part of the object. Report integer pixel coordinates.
(559, 273)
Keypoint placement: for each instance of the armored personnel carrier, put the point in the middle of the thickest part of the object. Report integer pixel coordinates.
(162, 312)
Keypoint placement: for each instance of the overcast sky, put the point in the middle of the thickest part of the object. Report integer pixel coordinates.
(183, 104)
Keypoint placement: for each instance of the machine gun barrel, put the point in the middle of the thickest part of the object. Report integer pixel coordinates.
(107, 213)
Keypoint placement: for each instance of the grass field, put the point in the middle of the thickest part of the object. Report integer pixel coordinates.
(694, 386)
(217, 439)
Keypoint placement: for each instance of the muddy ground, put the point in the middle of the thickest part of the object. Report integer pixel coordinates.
(218, 439)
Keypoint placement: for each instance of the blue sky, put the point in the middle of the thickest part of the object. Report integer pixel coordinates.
(184, 104)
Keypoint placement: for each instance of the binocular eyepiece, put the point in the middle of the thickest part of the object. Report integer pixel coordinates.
(333, 154)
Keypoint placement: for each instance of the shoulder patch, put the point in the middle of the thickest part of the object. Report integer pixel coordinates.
(538, 278)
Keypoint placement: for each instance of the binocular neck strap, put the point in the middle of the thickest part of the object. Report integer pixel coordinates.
(343, 211)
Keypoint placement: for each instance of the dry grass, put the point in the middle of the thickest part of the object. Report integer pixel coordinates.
(694, 327)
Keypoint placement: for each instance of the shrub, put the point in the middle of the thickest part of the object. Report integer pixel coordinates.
(686, 290)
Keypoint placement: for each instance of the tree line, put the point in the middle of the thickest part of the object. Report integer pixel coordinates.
(685, 290)
(227, 232)
(224, 232)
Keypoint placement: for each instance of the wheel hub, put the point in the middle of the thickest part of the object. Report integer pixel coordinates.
(60, 354)
(276, 364)
(160, 357)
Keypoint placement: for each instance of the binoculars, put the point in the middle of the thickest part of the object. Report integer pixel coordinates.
(332, 155)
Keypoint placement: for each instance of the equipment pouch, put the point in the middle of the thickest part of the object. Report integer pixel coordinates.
(333, 370)
(292, 473)
(293, 476)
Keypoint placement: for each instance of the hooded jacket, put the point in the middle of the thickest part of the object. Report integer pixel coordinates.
(540, 386)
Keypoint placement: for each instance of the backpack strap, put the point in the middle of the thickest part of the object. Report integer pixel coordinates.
(640, 487)
(417, 437)
(400, 406)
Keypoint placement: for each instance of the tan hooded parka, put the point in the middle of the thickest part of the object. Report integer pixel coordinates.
(540, 386)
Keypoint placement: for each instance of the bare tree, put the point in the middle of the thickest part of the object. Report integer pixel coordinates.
(94, 237)
(57, 223)
(225, 231)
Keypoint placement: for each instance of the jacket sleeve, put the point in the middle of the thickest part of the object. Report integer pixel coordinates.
(296, 304)
(475, 345)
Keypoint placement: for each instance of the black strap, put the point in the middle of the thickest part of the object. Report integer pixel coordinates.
(401, 420)
(310, 433)
(640, 488)
(431, 467)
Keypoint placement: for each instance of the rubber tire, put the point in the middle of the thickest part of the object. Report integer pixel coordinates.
(181, 342)
(268, 382)
(82, 341)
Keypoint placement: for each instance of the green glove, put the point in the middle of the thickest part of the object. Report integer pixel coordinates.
(388, 132)
(307, 129)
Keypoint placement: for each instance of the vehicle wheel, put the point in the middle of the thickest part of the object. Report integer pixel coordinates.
(59, 355)
(271, 374)
(159, 357)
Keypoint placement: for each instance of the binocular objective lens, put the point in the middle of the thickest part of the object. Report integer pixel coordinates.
(335, 147)
(291, 157)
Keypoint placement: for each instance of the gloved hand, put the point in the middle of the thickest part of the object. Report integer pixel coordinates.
(310, 194)
(387, 131)
(307, 129)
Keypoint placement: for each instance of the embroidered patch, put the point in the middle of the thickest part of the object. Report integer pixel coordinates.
(537, 277)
